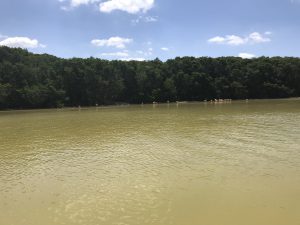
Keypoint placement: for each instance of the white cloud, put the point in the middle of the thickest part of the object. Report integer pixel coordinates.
(228, 39)
(217, 39)
(130, 6)
(235, 40)
(76, 3)
(247, 55)
(21, 42)
(133, 59)
(65, 8)
(116, 54)
(124, 55)
(150, 19)
(117, 42)
(107, 6)
(146, 19)
(146, 53)
(253, 38)
(42, 46)
(258, 38)
(165, 49)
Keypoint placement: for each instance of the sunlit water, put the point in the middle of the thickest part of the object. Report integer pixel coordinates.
(186, 164)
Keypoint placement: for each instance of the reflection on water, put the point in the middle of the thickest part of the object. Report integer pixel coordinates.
(193, 164)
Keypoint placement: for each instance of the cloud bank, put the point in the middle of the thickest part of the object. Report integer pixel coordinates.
(21, 42)
(165, 49)
(116, 54)
(108, 6)
(129, 6)
(253, 38)
(117, 42)
(247, 55)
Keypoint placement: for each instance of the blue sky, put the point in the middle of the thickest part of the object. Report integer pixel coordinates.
(146, 29)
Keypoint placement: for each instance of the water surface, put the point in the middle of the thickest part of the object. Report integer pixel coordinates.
(186, 164)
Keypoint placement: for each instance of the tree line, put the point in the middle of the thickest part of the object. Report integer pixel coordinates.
(30, 80)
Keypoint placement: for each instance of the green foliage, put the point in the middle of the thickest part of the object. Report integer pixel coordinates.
(38, 81)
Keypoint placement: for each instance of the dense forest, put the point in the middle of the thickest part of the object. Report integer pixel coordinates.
(30, 80)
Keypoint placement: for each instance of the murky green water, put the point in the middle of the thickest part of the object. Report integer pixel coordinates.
(186, 164)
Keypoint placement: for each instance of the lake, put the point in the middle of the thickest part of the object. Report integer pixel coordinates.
(232, 163)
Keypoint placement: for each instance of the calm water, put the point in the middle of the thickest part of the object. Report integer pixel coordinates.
(187, 164)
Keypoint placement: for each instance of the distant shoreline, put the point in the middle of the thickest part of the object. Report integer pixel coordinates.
(144, 104)
(31, 81)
